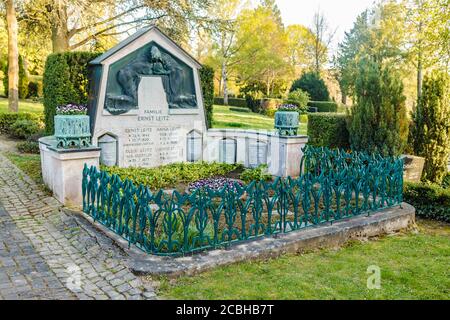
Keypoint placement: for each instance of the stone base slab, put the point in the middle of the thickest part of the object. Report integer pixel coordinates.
(315, 237)
(62, 169)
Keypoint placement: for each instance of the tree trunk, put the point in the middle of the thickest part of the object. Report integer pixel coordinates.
(419, 64)
(13, 57)
(225, 85)
(419, 76)
(60, 33)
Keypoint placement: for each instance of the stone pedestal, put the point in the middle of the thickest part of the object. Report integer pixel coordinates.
(62, 169)
(282, 154)
(286, 155)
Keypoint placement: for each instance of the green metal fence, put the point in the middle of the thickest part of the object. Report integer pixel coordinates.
(334, 185)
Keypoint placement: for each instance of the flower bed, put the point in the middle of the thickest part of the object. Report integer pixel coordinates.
(335, 185)
(215, 184)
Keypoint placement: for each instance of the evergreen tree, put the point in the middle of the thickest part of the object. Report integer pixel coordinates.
(313, 85)
(431, 126)
(23, 79)
(378, 120)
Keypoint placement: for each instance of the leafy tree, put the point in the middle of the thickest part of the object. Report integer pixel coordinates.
(431, 126)
(313, 85)
(428, 35)
(74, 24)
(323, 36)
(378, 32)
(225, 43)
(263, 54)
(378, 120)
(301, 47)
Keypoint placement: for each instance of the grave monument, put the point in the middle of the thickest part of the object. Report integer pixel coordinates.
(146, 102)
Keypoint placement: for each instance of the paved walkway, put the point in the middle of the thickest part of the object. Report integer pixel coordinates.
(47, 254)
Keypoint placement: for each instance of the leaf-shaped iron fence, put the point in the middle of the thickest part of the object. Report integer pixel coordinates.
(334, 185)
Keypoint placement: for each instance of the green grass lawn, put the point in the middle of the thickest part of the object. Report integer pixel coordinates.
(413, 266)
(242, 118)
(24, 106)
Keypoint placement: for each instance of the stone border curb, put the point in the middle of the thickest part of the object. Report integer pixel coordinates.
(324, 236)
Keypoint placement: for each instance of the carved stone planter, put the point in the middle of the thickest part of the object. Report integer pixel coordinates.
(72, 131)
(286, 122)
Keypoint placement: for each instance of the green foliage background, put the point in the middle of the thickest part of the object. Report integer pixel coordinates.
(328, 130)
(378, 119)
(324, 106)
(23, 79)
(66, 80)
(313, 85)
(207, 83)
(430, 132)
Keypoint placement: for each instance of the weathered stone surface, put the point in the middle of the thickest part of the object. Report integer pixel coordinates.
(326, 235)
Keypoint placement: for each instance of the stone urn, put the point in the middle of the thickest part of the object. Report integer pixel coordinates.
(286, 122)
(72, 131)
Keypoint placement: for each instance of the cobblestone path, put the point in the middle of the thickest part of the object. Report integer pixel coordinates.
(48, 254)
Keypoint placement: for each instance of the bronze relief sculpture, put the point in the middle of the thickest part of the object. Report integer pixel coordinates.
(122, 90)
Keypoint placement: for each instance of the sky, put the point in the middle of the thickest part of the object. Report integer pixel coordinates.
(340, 13)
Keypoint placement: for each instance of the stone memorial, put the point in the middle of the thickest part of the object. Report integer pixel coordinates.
(146, 95)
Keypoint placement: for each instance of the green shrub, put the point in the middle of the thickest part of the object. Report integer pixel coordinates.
(446, 181)
(66, 80)
(269, 106)
(313, 85)
(23, 80)
(258, 173)
(303, 118)
(235, 102)
(28, 147)
(328, 130)
(7, 119)
(378, 119)
(430, 200)
(430, 130)
(22, 129)
(172, 174)
(253, 102)
(35, 87)
(324, 106)
(207, 83)
(300, 98)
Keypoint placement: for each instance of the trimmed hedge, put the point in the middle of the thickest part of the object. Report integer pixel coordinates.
(28, 147)
(207, 82)
(328, 130)
(7, 119)
(66, 80)
(430, 200)
(234, 102)
(324, 106)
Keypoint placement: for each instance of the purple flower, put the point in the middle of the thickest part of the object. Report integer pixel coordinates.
(214, 184)
(287, 107)
(71, 109)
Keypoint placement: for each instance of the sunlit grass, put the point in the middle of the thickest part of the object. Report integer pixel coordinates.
(241, 118)
(413, 266)
(24, 106)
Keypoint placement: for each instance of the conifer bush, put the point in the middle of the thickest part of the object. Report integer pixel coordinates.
(378, 121)
(430, 130)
